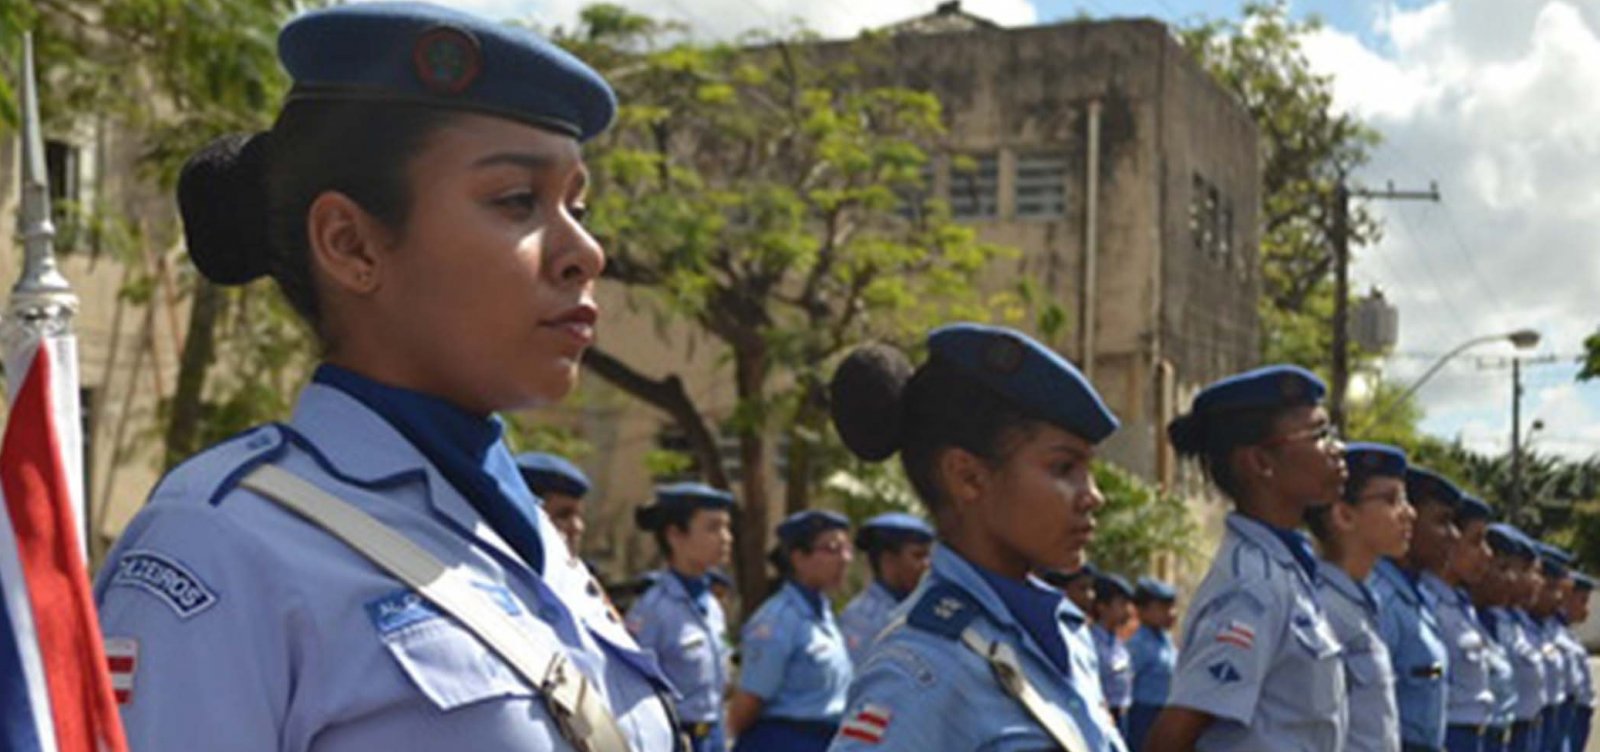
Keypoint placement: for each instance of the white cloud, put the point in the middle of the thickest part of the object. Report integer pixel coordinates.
(722, 19)
(1494, 101)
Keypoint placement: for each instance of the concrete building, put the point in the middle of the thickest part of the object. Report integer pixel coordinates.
(1125, 174)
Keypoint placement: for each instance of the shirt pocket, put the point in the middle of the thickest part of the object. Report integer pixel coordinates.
(1365, 670)
(450, 666)
(1316, 664)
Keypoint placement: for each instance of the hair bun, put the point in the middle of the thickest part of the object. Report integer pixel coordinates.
(1188, 434)
(222, 195)
(866, 400)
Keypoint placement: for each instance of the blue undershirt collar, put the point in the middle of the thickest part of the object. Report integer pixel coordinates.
(1037, 609)
(1299, 546)
(468, 450)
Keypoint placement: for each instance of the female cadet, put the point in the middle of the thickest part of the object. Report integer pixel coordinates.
(1260, 668)
(679, 619)
(1488, 598)
(1113, 609)
(1581, 701)
(418, 202)
(897, 546)
(1469, 698)
(996, 433)
(1153, 655)
(795, 667)
(1515, 632)
(1406, 613)
(1547, 626)
(1374, 520)
(560, 486)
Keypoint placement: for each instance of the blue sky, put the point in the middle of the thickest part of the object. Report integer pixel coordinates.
(1492, 99)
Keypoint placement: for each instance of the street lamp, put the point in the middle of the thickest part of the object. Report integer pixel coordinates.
(1522, 339)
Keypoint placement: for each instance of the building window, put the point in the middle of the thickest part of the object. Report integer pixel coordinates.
(1041, 184)
(1211, 223)
(914, 199)
(975, 186)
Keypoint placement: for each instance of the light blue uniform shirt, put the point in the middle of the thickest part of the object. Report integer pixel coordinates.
(794, 659)
(920, 689)
(865, 616)
(688, 636)
(1469, 700)
(1258, 653)
(1353, 615)
(1555, 660)
(1153, 656)
(1527, 663)
(1116, 667)
(1580, 682)
(1502, 678)
(258, 631)
(1416, 650)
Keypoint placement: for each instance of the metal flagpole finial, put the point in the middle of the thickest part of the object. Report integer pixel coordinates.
(41, 296)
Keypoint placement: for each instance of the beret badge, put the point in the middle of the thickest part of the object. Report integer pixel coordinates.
(1003, 355)
(447, 59)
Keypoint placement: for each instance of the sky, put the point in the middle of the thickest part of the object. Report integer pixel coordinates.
(1493, 101)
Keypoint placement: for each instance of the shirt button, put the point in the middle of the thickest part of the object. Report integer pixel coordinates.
(593, 589)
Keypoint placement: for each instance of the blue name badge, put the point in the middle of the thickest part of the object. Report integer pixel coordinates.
(166, 579)
(400, 609)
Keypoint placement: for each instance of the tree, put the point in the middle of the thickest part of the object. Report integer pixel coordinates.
(1591, 358)
(177, 74)
(768, 196)
(1307, 150)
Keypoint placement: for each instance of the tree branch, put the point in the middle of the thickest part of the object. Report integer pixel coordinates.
(669, 396)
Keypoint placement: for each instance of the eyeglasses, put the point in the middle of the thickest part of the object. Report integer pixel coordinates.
(1323, 435)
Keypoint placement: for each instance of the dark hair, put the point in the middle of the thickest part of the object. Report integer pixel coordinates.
(244, 199)
(1211, 438)
(671, 516)
(881, 406)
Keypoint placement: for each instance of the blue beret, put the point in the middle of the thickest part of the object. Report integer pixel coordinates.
(1553, 560)
(1267, 387)
(680, 497)
(802, 526)
(1473, 508)
(892, 529)
(1582, 581)
(424, 54)
(546, 473)
(1507, 539)
(1365, 459)
(1152, 589)
(1423, 484)
(1033, 377)
(1061, 578)
(1108, 585)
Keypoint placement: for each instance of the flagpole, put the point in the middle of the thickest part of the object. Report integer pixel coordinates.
(42, 303)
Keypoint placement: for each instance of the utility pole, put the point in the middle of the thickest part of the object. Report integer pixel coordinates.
(1516, 434)
(1339, 233)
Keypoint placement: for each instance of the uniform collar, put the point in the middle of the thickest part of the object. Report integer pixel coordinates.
(693, 589)
(468, 451)
(1287, 547)
(809, 600)
(886, 592)
(1400, 580)
(1342, 583)
(1441, 592)
(1027, 605)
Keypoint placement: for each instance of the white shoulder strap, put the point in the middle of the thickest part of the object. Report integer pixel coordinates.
(1003, 660)
(576, 706)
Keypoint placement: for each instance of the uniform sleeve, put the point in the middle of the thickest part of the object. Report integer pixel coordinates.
(898, 701)
(765, 644)
(644, 621)
(1228, 653)
(207, 631)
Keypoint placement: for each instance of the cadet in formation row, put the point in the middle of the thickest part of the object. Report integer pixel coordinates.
(375, 573)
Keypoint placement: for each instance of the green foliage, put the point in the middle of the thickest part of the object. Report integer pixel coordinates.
(1306, 150)
(525, 435)
(1591, 358)
(1138, 522)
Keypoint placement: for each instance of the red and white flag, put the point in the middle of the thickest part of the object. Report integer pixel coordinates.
(55, 690)
(868, 724)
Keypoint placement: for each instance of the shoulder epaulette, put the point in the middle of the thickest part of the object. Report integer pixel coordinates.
(945, 610)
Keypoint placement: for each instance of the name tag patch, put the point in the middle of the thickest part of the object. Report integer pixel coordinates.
(166, 579)
(398, 610)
